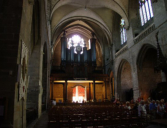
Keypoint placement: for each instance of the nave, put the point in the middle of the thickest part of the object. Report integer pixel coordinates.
(99, 115)
(117, 48)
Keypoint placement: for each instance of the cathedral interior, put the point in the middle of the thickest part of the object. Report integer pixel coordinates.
(79, 51)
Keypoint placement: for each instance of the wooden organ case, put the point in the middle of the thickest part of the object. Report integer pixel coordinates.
(78, 65)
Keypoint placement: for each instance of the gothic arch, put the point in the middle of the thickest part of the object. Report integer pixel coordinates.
(142, 53)
(58, 29)
(117, 6)
(124, 81)
(148, 79)
(78, 85)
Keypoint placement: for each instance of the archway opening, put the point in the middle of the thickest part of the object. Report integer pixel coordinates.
(126, 83)
(125, 87)
(77, 33)
(148, 79)
(79, 94)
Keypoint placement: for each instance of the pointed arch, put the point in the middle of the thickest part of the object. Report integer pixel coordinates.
(124, 81)
(78, 85)
(142, 54)
(120, 69)
(117, 6)
(147, 77)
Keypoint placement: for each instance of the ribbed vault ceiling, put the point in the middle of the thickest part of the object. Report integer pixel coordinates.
(85, 16)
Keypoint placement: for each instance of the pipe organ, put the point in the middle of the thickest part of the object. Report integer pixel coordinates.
(78, 60)
(69, 56)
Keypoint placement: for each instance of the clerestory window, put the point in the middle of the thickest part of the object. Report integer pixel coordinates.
(123, 32)
(146, 12)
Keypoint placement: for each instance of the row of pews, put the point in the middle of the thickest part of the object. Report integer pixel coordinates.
(83, 116)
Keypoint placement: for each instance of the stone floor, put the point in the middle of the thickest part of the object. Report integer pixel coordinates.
(43, 120)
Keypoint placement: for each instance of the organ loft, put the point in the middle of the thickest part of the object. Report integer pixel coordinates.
(80, 58)
(81, 55)
(78, 66)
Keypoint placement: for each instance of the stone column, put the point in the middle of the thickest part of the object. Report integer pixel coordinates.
(136, 91)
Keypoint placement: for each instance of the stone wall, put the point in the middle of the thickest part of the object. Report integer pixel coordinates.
(10, 21)
(134, 45)
(36, 68)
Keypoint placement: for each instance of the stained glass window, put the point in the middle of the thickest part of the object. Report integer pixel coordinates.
(146, 12)
(123, 32)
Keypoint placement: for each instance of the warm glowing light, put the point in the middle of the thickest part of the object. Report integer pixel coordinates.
(59, 81)
(78, 99)
(77, 81)
(83, 81)
(76, 39)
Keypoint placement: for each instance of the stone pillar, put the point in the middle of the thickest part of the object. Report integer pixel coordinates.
(94, 95)
(136, 91)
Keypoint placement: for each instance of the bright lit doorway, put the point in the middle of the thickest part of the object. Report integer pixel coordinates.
(79, 94)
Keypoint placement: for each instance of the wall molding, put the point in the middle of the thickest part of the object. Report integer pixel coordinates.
(123, 49)
(144, 33)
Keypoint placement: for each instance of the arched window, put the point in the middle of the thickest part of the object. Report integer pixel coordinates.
(123, 32)
(146, 12)
(75, 39)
